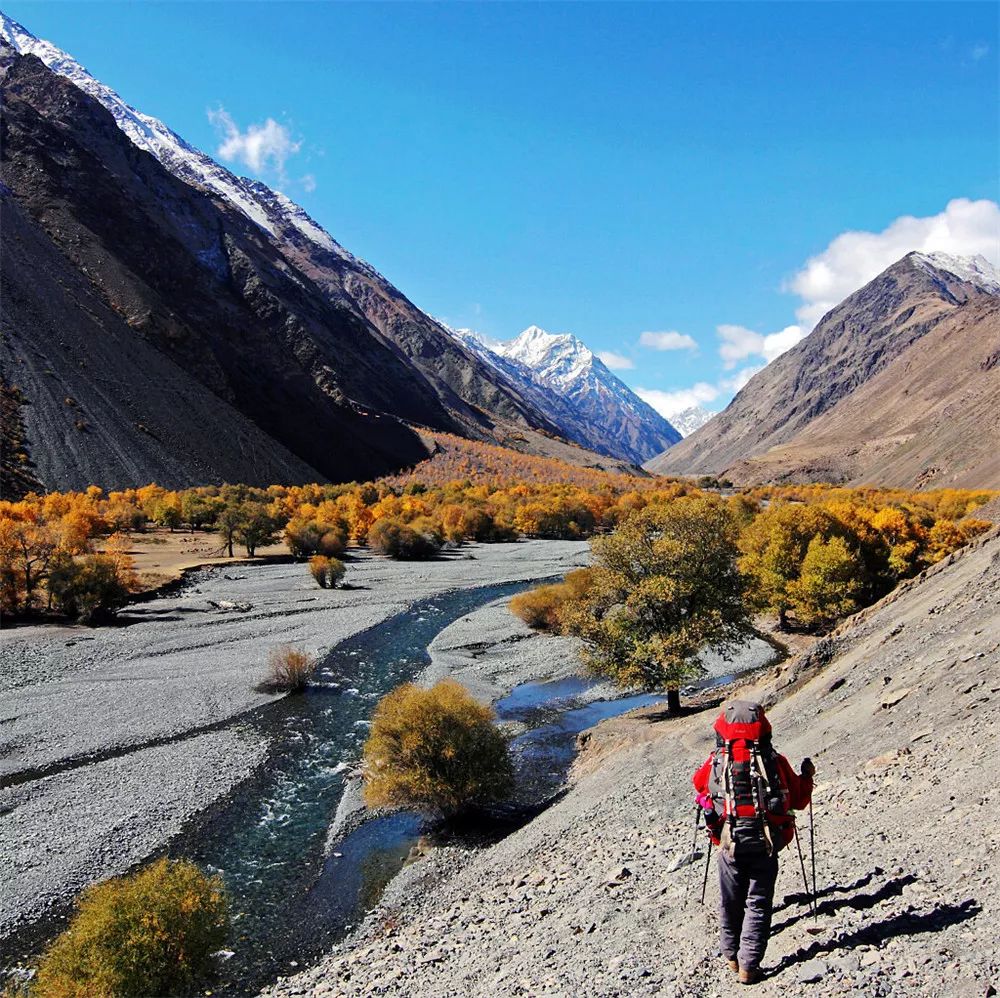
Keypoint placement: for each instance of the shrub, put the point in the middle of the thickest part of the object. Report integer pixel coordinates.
(326, 571)
(289, 669)
(435, 750)
(542, 608)
(539, 608)
(92, 588)
(150, 933)
(405, 542)
(308, 537)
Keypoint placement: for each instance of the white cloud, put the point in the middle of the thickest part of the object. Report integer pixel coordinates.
(669, 340)
(739, 343)
(263, 148)
(740, 378)
(850, 261)
(616, 361)
(979, 51)
(668, 404)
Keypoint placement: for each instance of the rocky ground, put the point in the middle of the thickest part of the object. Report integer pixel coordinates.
(595, 897)
(112, 738)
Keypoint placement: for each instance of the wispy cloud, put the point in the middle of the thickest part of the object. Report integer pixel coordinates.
(740, 343)
(667, 340)
(671, 403)
(616, 361)
(262, 148)
(979, 51)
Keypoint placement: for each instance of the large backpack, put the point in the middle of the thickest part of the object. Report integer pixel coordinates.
(745, 784)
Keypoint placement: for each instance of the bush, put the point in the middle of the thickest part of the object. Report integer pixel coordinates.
(151, 933)
(289, 670)
(542, 608)
(539, 608)
(405, 542)
(309, 537)
(91, 589)
(326, 571)
(435, 750)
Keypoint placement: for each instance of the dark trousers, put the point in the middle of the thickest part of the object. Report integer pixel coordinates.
(746, 886)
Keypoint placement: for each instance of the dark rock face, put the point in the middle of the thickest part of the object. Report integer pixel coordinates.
(162, 287)
(852, 344)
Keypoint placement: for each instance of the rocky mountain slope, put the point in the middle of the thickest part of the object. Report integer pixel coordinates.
(594, 896)
(563, 378)
(929, 419)
(864, 396)
(228, 280)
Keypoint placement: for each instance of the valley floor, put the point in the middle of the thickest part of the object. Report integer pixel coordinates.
(111, 739)
(586, 899)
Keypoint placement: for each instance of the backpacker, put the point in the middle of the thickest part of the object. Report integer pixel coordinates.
(744, 782)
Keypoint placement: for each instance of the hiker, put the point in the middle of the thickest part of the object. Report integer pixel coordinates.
(746, 791)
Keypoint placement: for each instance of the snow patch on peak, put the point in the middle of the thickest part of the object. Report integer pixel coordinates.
(975, 270)
(272, 211)
(687, 420)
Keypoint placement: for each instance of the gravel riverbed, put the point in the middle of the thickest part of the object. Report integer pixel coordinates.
(111, 739)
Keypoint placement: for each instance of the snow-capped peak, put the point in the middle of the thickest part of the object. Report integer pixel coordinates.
(560, 359)
(975, 270)
(576, 390)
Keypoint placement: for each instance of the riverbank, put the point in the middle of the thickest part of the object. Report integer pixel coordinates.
(123, 734)
(593, 896)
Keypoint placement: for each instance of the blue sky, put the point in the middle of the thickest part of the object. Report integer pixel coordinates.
(606, 169)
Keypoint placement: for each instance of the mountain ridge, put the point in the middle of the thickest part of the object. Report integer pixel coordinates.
(578, 391)
(358, 351)
(853, 343)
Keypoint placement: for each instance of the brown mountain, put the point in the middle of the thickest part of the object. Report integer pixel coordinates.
(153, 330)
(894, 385)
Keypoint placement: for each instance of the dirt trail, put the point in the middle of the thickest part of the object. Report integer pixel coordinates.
(586, 899)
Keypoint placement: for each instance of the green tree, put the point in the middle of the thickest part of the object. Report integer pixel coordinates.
(830, 583)
(257, 527)
(228, 523)
(92, 588)
(663, 587)
(197, 510)
(435, 750)
(773, 546)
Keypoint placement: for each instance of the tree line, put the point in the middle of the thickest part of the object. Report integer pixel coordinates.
(853, 543)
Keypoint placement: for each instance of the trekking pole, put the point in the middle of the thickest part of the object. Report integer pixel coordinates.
(694, 847)
(812, 849)
(802, 864)
(708, 860)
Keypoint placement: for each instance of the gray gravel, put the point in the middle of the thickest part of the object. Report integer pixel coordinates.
(62, 832)
(195, 657)
(95, 703)
(490, 651)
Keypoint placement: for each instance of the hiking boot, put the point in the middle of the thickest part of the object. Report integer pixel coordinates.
(733, 965)
(750, 976)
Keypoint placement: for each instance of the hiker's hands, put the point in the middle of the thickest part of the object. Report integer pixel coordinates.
(808, 769)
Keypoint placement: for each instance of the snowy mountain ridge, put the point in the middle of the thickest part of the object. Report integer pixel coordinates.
(269, 209)
(975, 270)
(686, 421)
(576, 390)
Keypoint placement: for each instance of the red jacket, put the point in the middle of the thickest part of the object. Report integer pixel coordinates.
(796, 791)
